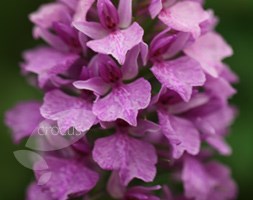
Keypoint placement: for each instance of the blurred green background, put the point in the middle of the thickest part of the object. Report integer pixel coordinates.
(236, 25)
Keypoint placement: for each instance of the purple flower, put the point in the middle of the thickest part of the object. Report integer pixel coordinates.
(148, 99)
(113, 35)
(124, 100)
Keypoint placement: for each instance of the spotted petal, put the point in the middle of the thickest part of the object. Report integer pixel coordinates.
(118, 43)
(47, 63)
(209, 50)
(185, 16)
(126, 155)
(180, 75)
(68, 177)
(68, 111)
(124, 102)
(181, 134)
(23, 119)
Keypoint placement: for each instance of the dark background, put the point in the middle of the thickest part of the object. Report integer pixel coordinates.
(236, 25)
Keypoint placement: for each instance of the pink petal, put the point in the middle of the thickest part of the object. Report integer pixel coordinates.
(155, 7)
(197, 182)
(47, 62)
(70, 3)
(96, 84)
(182, 107)
(180, 75)
(35, 192)
(144, 52)
(115, 187)
(181, 133)
(124, 102)
(130, 69)
(23, 119)
(219, 144)
(52, 39)
(229, 75)
(68, 111)
(118, 43)
(125, 13)
(226, 187)
(185, 16)
(82, 10)
(91, 29)
(107, 14)
(125, 154)
(50, 13)
(215, 85)
(68, 177)
(209, 50)
(213, 117)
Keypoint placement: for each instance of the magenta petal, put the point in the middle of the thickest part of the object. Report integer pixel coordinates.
(70, 3)
(182, 107)
(108, 14)
(91, 29)
(140, 192)
(209, 50)
(50, 13)
(215, 85)
(130, 69)
(83, 40)
(219, 144)
(96, 84)
(145, 126)
(155, 7)
(114, 186)
(52, 39)
(23, 119)
(82, 9)
(35, 192)
(118, 43)
(228, 74)
(68, 111)
(144, 52)
(125, 13)
(185, 16)
(207, 181)
(69, 177)
(43, 61)
(213, 117)
(124, 102)
(180, 75)
(181, 133)
(125, 154)
(197, 182)
(226, 188)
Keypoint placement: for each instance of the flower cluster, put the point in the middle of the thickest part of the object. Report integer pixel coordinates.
(144, 82)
